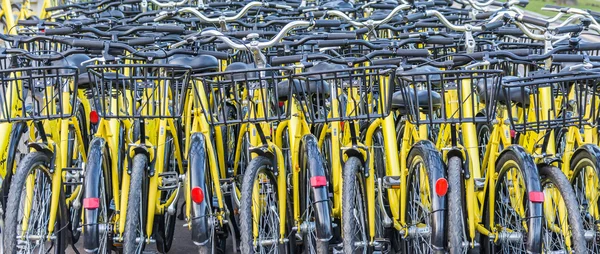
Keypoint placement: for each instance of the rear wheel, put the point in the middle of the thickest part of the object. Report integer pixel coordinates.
(354, 212)
(560, 212)
(457, 237)
(33, 173)
(73, 188)
(135, 228)
(259, 210)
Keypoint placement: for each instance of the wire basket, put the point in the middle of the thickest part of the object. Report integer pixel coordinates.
(37, 93)
(246, 95)
(362, 93)
(572, 99)
(139, 91)
(427, 95)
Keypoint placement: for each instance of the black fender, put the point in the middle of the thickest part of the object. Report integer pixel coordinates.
(313, 162)
(200, 213)
(592, 150)
(93, 171)
(17, 130)
(436, 170)
(532, 182)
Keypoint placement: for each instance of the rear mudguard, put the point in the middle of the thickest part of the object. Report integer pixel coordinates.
(197, 166)
(313, 163)
(93, 172)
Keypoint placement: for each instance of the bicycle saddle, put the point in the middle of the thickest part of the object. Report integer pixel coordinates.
(422, 99)
(422, 74)
(487, 90)
(199, 64)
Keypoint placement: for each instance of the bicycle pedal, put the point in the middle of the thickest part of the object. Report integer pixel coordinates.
(391, 182)
(170, 181)
(479, 184)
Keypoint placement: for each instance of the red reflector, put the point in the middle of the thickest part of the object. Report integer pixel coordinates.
(513, 133)
(441, 187)
(281, 103)
(197, 195)
(91, 203)
(318, 181)
(94, 117)
(536, 196)
(342, 126)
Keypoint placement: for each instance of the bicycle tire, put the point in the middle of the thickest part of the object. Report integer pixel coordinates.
(456, 216)
(166, 222)
(553, 176)
(515, 157)
(29, 163)
(136, 207)
(75, 214)
(259, 166)
(434, 240)
(354, 199)
(97, 183)
(14, 156)
(585, 165)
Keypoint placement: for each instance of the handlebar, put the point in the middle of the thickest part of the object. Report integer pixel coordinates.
(203, 18)
(375, 23)
(350, 60)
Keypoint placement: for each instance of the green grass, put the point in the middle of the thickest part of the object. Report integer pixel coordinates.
(536, 6)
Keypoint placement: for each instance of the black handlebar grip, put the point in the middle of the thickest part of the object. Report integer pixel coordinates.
(29, 22)
(146, 20)
(509, 31)
(534, 21)
(412, 52)
(332, 43)
(383, 6)
(567, 58)
(279, 60)
(440, 40)
(496, 3)
(484, 15)
(341, 36)
(59, 31)
(55, 8)
(425, 4)
(363, 30)
(88, 44)
(568, 29)
(170, 29)
(589, 46)
(388, 61)
(327, 23)
(493, 25)
(141, 41)
(523, 3)
(414, 17)
(442, 3)
(223, 46)
(594, 13)
(429, 24)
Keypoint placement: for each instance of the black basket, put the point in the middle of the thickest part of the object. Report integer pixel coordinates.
(365, 90)
(575, 109)
(36, 93)
(424, 95)
(139, 91)
(238, 96)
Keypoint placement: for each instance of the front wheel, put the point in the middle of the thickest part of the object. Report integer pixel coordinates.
(135, 227)
(585, 180)
(561, 213)
(259, 209)
(30, 195)
(354, 212)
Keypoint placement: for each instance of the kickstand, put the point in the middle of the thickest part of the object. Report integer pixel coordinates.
(74, 249)
(181, 212)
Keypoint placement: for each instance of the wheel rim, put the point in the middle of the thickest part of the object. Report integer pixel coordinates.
(419, 209)
(39, 215)
(588, 203)
(510, 190)
(264, 204)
